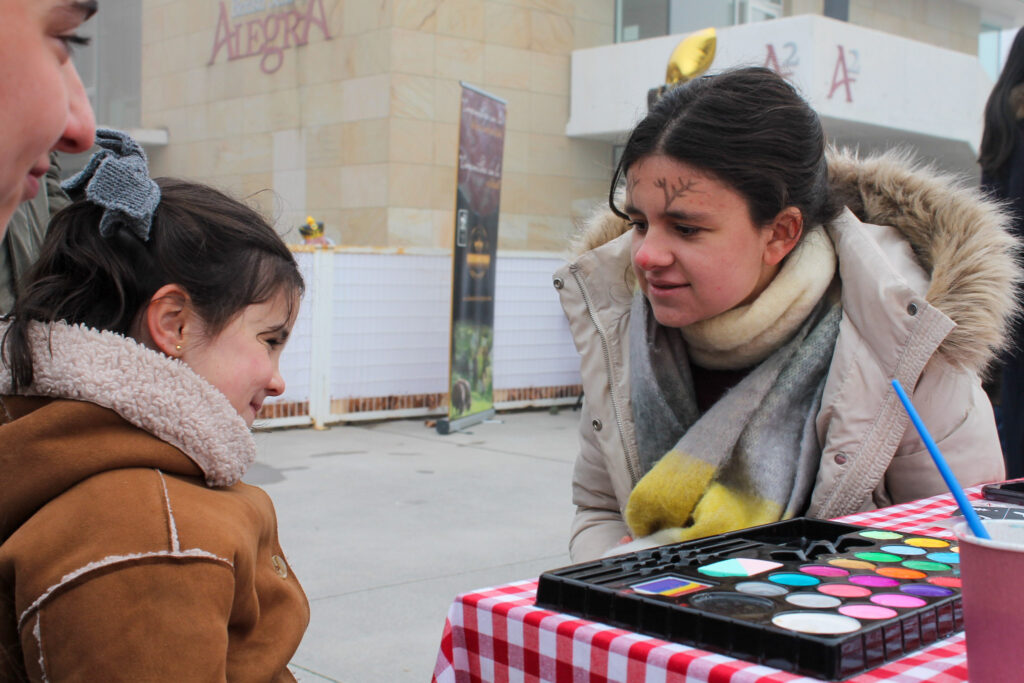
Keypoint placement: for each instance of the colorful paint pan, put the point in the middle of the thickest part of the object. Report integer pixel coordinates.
(927, 542)
(844, 590)
(947, 557)
(897, 600)
(847, 563)
(761, 588)
(861, 611)
(739, 566)
(878, 557)
(814, 600)
(927, 566)
(881, 535)
(901, 573)
(945, 581)
(821, 623)
(669, 586)
(926, 590)
(874, 581)
(823, 570)
(794, 579)
(902, 550)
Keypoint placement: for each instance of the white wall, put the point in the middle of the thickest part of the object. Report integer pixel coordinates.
(376, 323)
(895, 84)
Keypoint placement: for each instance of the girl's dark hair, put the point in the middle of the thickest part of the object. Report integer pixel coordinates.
(222, 252)
(1000, 135)
(749, 129)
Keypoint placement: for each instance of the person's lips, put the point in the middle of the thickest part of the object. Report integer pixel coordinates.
(664, 286)
(33, 181)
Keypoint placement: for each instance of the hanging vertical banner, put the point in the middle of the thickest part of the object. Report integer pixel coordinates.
(481, 144)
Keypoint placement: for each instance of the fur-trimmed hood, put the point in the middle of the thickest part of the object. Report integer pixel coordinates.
(959, 237)
(102, 372)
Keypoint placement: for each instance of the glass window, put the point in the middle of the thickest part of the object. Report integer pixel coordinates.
(686, 16)
(993, 46)
(637, 19)
(111, 66)
(988, 52)
(757, 10)
(838, 9)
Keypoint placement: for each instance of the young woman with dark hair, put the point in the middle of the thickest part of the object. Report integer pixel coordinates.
(145, 342)
(741, 308)
(1002, 175)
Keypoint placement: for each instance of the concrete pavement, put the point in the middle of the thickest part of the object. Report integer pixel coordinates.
(385, 523)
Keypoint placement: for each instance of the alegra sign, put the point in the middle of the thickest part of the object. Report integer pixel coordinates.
(269, 35)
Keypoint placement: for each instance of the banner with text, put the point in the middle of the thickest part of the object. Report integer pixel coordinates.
(481, 144)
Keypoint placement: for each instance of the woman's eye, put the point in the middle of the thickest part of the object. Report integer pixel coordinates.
(640, 226)
(687, 230)
(73, 41)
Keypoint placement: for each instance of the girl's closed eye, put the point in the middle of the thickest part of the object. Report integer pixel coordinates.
(277, 340)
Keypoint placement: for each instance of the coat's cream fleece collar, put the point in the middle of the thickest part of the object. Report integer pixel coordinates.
(160, 395)
(958, 235)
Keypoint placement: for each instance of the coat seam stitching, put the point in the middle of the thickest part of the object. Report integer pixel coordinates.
(37, 631)
(172, 527)
(109, 561)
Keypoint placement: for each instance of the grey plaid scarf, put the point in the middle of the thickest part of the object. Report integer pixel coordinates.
(751, 458)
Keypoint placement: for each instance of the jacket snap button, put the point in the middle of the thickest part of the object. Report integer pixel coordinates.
(840, 458)
(558, 283)
(912, 309)
(597, 425)
(280, 566)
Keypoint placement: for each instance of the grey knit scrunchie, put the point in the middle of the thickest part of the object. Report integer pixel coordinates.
(117, 179)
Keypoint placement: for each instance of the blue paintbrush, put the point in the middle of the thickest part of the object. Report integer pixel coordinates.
(961, 498)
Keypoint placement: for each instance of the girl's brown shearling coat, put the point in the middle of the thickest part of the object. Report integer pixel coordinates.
(129, 549)
(928, 274)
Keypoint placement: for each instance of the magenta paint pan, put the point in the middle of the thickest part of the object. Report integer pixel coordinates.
(873, 581)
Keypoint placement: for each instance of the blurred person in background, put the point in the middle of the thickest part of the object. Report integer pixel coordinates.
(25, 233)
(1002, 175)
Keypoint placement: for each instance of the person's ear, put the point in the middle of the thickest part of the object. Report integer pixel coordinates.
(169, 320)
(784, 234)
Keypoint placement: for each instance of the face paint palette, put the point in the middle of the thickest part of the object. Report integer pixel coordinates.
(809, 596)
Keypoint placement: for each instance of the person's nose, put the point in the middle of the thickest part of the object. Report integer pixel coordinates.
(276, 385)
(80, 130)
(654, 251)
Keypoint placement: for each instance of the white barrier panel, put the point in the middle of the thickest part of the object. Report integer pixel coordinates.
(371, 340)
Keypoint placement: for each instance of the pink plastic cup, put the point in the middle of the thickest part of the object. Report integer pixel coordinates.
(993, 597)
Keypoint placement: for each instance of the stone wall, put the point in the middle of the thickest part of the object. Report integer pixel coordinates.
(351, 114)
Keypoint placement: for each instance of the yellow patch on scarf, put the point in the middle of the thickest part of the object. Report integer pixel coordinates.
(723, 509)
(678, 490)
(668, 493)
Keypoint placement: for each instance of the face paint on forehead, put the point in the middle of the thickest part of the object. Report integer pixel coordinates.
(674, 191)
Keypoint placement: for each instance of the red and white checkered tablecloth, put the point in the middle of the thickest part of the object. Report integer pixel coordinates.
(496, 634)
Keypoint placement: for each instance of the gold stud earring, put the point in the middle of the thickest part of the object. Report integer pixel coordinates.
(177, 347)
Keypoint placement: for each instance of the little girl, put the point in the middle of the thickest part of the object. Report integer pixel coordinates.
(147, 338)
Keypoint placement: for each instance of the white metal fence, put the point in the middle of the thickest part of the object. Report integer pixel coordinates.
(372, 337)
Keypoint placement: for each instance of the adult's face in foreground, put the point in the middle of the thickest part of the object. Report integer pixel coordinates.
(43, 105)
